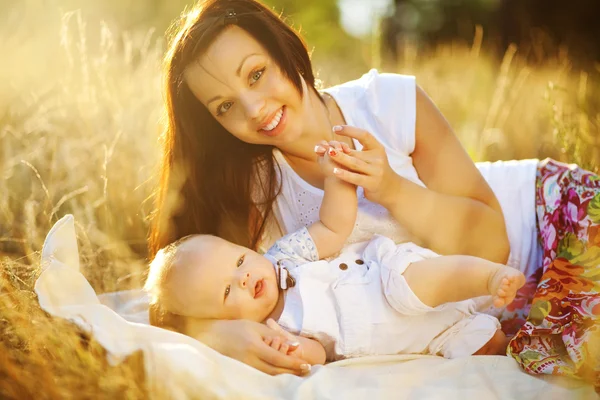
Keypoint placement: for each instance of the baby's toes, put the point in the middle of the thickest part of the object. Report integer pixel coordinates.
(508, 286)
(499, 302)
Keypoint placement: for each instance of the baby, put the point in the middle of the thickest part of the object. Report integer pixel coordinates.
(374, 298)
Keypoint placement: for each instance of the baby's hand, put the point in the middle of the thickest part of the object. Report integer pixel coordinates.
(289, 347)
(285, 347)
(324, 150)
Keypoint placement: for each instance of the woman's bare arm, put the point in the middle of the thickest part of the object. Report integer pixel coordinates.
(457, 213)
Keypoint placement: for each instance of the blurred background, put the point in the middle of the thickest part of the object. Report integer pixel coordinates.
(81, 116)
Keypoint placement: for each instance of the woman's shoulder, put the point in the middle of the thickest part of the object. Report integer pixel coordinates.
(372, 83)
(383, 104)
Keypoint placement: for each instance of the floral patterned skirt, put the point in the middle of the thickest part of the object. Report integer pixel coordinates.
(558, 310)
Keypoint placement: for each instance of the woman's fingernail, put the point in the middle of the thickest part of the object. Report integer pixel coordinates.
(305, 367)
(319, 149)
(337, 128)
(293, 344)
(332, 152)
(337, 171)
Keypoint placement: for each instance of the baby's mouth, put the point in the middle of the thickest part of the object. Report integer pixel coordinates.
(258, 288)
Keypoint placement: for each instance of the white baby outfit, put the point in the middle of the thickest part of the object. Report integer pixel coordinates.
(359, 303)
(385, 105)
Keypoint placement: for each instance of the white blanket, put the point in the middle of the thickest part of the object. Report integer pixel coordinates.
(180, 367)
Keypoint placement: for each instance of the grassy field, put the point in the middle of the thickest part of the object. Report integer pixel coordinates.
(80, 119)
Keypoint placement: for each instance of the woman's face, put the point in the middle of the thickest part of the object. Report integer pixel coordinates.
(244, 89)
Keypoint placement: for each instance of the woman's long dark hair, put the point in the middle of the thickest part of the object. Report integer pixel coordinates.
(207, 174)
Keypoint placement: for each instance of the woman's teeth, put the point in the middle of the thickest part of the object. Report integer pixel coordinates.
(275, 121)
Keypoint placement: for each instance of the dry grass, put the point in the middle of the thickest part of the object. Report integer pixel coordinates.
(81, 139)
(78, 134)
(41, 357)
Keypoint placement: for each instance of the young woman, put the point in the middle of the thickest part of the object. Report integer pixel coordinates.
(239, 162)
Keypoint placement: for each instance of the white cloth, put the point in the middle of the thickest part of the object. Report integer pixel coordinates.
(178, 367)
(359, 303)
(385, 105)
(513, 183)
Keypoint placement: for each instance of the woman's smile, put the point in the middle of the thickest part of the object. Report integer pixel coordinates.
(247, 92)
(274, 125)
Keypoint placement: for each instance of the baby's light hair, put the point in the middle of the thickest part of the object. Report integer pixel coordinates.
(156, 287)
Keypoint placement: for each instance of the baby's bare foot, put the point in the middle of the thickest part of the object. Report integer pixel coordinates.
(503, 285)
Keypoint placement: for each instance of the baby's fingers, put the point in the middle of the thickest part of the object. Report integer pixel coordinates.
(276, 343)
(291, 340)
(271, 323)
(320, 150)
(321, 147)
(284, 348)
(335, 144)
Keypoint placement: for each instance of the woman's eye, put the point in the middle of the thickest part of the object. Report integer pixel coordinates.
(256, 75)
(223, 108)
(227, 290)
(240, 261)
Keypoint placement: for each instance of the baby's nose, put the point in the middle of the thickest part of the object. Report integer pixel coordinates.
(244, 279)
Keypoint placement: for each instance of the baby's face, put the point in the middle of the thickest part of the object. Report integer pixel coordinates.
(217, 279)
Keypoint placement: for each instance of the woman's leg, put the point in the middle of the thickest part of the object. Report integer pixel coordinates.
(562, 332)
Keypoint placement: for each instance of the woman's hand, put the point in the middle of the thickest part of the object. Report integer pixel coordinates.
(308, 349)
(291, 346)
(368, 167)
(243, 340)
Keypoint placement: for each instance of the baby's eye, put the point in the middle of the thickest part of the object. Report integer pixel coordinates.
(224, 107)
(240, 261)
(227, 290)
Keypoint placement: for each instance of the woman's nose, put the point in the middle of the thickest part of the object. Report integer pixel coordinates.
(254, 106)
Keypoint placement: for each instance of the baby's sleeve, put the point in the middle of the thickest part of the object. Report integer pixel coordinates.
(298, 246)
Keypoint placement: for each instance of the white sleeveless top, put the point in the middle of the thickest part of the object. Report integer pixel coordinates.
(385, 105)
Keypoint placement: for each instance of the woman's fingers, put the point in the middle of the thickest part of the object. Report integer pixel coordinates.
(365, 164)
(276, 361)
(370, 156)
(277, 328)
(272, 358)
(346, 148)
(365, 138)
(291, 340)
(352, 177)
(270, 369)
